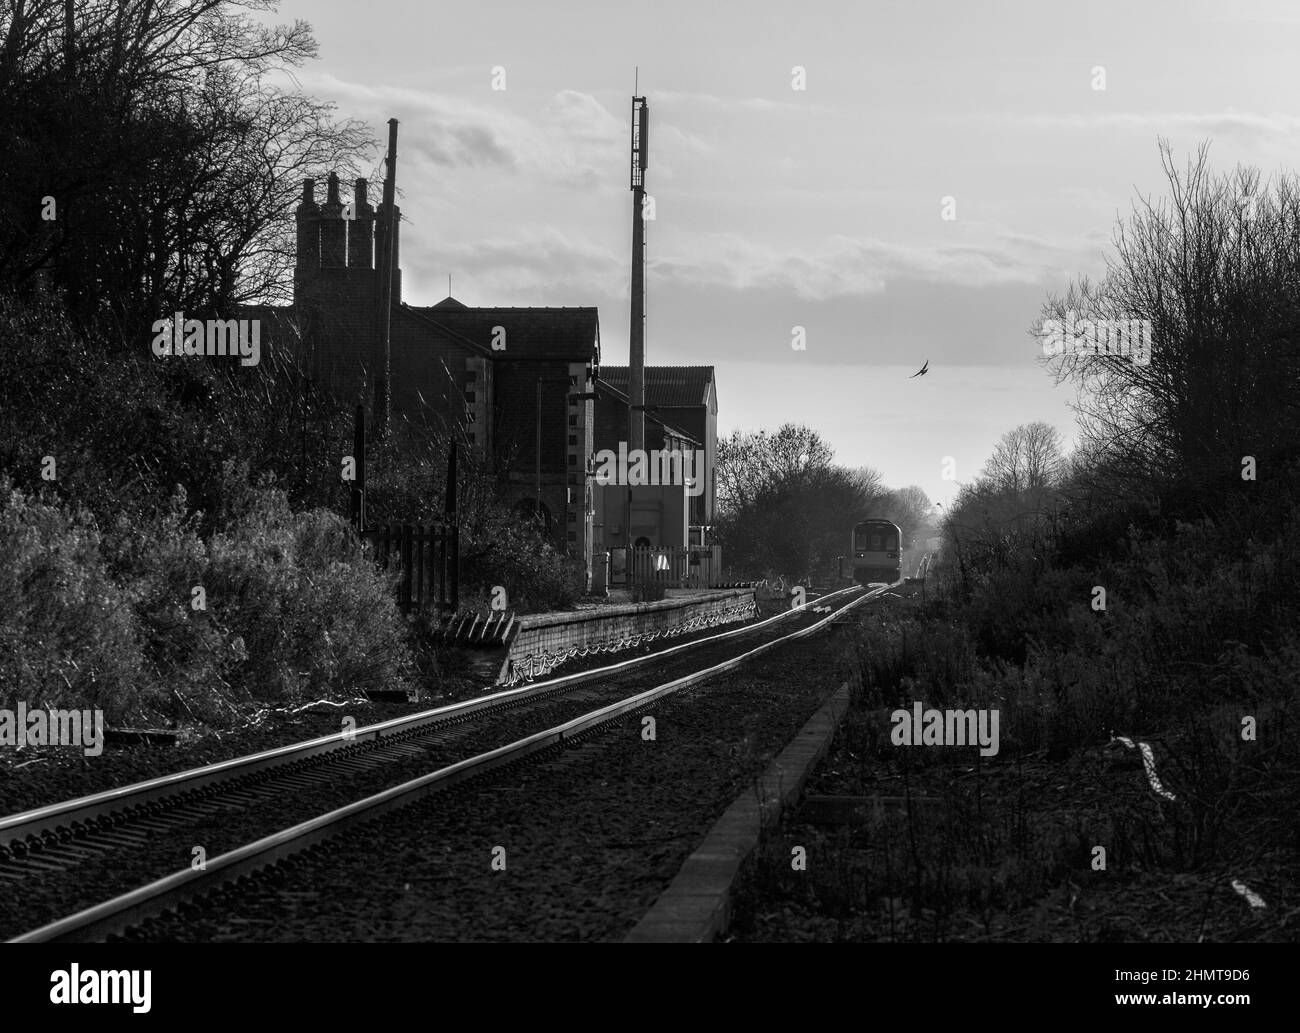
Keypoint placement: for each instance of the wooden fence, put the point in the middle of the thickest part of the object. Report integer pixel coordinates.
(427, 556)
(673, 567)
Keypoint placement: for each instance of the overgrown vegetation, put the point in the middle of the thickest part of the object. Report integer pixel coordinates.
(1147, 587)
(127, 483)
(150, 622)
(173, 536)
(647, 590)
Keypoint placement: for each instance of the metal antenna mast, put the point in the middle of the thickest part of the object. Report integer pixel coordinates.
(636, 336)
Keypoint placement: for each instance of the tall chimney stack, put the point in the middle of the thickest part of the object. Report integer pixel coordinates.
(307, 261)
(361, 234)
(307, 215)
(333, 229)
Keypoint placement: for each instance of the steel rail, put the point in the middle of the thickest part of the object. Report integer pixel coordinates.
(136, 905)
(21, 827)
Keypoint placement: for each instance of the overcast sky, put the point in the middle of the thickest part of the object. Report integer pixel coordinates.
(818, 208)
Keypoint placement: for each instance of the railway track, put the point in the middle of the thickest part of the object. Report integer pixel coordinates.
(58, 836)
(121, 818)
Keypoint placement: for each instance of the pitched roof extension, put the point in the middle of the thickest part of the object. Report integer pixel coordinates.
(666, 385)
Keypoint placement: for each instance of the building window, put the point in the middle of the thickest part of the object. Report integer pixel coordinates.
(573, 421)
(573, 536)
(573, 439)
(471, 375)
(573, 478)
(573, 458)
(470, 396)
(573, 516)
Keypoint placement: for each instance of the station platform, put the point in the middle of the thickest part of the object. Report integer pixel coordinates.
(541, 642)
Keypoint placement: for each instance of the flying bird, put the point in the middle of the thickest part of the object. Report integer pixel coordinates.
(920, 372)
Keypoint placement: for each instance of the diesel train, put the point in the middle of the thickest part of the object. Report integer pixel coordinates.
(876, 548)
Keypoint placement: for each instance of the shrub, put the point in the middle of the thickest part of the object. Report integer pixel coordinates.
(312, 612)
(294, 608)
(647, 590)
(68, 635)
(536, 577)
(186, 655)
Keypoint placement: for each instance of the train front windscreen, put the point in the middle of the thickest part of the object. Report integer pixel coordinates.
(876, 539)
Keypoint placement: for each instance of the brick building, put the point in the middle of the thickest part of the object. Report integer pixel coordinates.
(524, 385)
(505, 380)
(681, 413)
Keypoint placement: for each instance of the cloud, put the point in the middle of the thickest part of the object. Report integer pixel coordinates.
(535, 262)
(535, 259)
(846, 266)
(465, 146)
(1244, 125)
(676, 100)
(570, 139)
(583, 117)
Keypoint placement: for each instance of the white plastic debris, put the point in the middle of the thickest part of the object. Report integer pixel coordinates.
(1149, 764)
(1252, 898)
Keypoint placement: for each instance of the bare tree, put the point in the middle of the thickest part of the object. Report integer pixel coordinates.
(1026, 460)
(1214, 268)
(909, 508)
(170, 154)
(869, 482)
(749, 463)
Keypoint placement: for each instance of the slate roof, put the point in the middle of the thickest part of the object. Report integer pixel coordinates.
(666, 385)
(572, 334)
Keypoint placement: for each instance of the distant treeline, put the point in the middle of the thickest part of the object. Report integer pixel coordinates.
(787, 509)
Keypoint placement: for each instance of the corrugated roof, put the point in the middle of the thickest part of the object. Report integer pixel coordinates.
(666, 385)
(531, 333)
